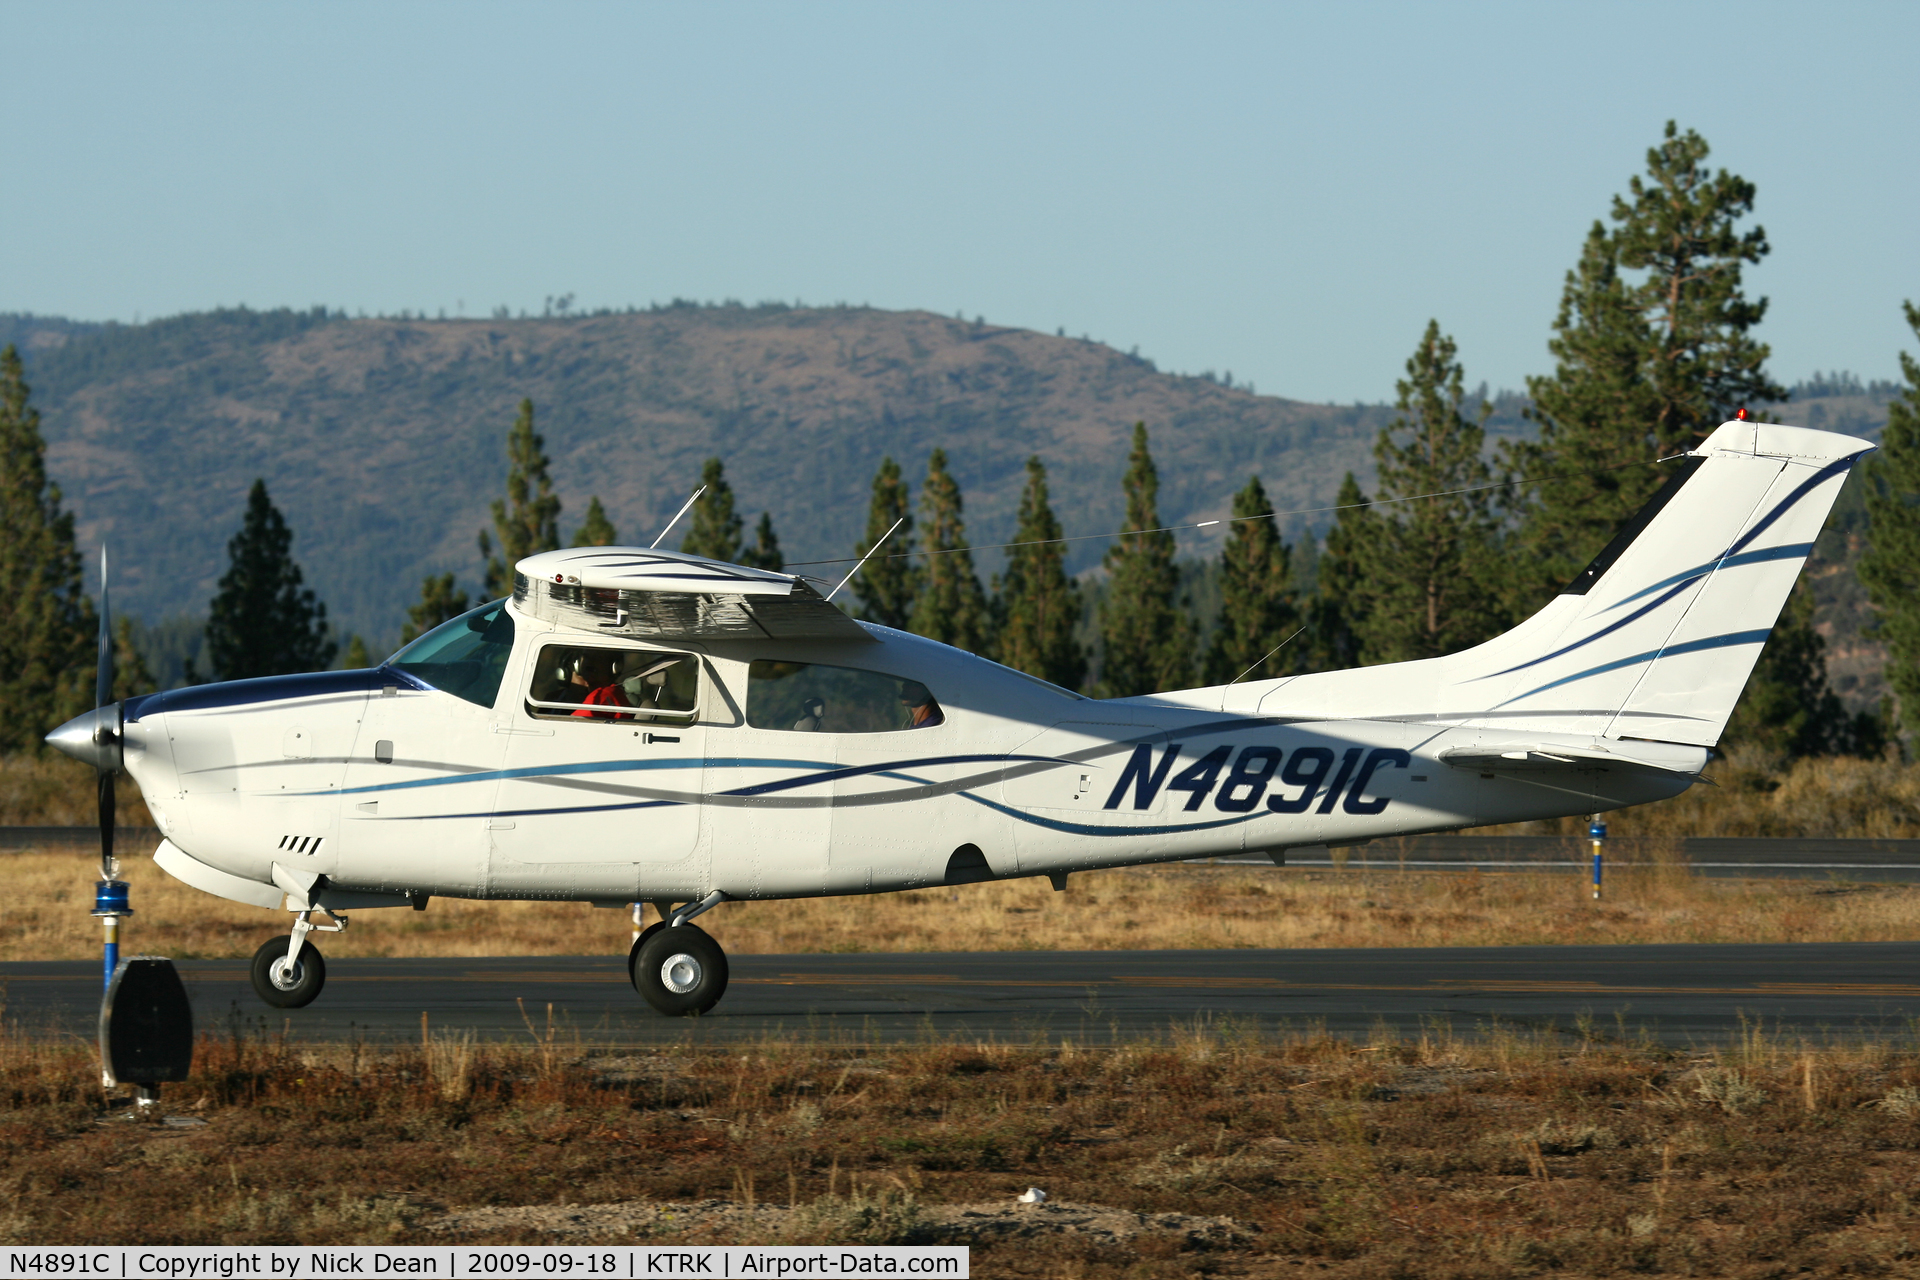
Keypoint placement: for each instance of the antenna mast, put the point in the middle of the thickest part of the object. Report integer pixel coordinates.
(863, 559)
(676, 516)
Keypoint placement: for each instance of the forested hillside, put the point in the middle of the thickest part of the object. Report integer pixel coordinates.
(383, 439)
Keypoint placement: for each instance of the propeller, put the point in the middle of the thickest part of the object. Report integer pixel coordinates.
(108, 742)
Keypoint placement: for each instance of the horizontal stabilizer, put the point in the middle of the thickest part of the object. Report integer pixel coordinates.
(1557, 758)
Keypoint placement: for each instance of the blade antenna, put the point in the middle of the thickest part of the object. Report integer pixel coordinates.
(1277, 648)
(676, 516)
(863, 559)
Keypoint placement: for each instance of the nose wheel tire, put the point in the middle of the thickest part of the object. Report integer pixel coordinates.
(283, 985)
(679, 971)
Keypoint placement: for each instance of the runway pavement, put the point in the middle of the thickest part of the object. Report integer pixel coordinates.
(1693, 994)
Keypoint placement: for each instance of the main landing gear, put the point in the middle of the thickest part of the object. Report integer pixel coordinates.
(675, 966)
(288, 972)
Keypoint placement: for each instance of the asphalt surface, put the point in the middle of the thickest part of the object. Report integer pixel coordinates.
(1691, 994)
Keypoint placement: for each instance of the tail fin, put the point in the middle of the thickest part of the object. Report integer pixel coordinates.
(1656, 638)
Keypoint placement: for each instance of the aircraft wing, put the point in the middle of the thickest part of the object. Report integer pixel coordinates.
(669, 595)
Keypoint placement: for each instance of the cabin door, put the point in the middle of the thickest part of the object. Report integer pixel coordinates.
(600, 798)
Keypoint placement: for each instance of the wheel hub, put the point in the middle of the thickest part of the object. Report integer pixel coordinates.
(680, 973)
(283, 975)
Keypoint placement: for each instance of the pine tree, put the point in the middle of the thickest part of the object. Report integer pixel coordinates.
(1645, 369)
(715, 531)
(263, 621)
(1146, 641)
(439, 603)
(1037, 606)
(598, 530)
(1679, 229)
(1337, 613)
(131, 675)
(951, 606)
(1703, 364)
(1891, 568)
(1430, 585)
(47, 625)
(888, 582)
(1596, 414)
(765, 552)
(357, 659)
(1257, 605)
(528, 521)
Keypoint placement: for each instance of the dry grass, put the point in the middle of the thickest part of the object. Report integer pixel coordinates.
(53, 791)
(1149, 908)
(1507, 1155)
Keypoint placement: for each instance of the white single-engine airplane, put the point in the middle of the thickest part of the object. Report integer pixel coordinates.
(646, 726)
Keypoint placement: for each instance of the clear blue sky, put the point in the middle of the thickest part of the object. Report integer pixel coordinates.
(1286, 192)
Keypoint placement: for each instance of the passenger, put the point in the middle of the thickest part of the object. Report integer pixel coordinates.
(816, 714)
(922, 711)
(646, 686)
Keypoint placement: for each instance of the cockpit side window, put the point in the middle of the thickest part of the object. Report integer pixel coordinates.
(808, 697)
(599, 683)
(466, 657)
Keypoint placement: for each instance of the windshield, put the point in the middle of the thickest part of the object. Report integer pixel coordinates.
(466, 657)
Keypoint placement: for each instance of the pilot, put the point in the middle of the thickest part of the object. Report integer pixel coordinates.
(922, 711)
(567, 682)
(816, 713)
(596, 671)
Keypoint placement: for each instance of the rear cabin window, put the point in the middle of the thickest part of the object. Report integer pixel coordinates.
(596, 683)
(807, 697)
(466, 657)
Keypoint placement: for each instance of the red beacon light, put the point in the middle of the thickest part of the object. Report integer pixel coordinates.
(1740, 415)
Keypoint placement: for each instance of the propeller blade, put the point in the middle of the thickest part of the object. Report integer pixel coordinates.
(103, 663)
(102, 695)
(107, 817)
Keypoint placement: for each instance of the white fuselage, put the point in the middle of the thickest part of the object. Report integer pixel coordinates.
(387, 786)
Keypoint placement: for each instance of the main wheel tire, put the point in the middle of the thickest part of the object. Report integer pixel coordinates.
(633, 952)
(680, 971)
(284, 986)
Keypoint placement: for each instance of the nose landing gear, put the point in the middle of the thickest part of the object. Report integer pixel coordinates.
(288, 972)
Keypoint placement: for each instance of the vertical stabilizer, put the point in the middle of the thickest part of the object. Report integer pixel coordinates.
(1658, 635)
(1653, 640)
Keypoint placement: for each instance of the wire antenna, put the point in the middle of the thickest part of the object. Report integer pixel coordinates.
(1277, 648)
(676, 517)
(863, 559)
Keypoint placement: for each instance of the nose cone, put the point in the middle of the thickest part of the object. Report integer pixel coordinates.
(92, 737)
